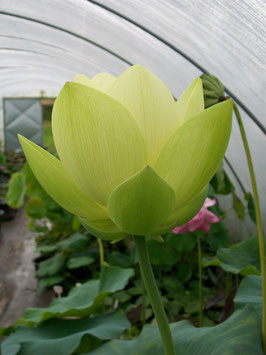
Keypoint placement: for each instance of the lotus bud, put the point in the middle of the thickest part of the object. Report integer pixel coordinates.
(213, 90)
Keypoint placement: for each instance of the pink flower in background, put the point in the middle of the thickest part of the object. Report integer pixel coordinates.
(201, 221)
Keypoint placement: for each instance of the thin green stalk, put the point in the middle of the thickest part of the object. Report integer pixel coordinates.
(258, 220)
(101, 250)
(200, 281)
(153, 293)
(143, 310)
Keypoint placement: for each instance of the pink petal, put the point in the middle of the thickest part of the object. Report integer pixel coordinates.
(209, 202)
(181, 229)
(201, 221)
(205, 227)
(212, 218)
(194, 226)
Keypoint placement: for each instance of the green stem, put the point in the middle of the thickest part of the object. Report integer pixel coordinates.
(153, 293)
(143, 312)
(258, 220)
(200, 281)
(101, 250)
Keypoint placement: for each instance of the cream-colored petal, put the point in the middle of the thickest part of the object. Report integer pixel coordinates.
(191, 102)
(58, 184)
(97, 139)
(193, 154)
(101, 81)
(151, 103)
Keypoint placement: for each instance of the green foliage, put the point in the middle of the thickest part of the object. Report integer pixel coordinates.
(238, 207)
(65, 336)
(78, 261)
(240, 334)
(16, 190)
(83, 300)
(69, 255)
(250, 292)
(51, 266)
(251, 206)
(2, 156)
(242, 258)
(49, 281)
(76, 242)
(157, 252)
(221, 183)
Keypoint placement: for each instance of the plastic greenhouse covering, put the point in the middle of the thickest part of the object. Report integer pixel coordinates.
(46, 43)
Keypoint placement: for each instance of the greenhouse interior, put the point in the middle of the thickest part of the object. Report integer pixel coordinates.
(132, 177)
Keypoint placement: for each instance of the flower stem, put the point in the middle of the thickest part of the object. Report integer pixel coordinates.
(258, 220)
(143, 310)
(200, 281)
(153, 293)
(101, 250)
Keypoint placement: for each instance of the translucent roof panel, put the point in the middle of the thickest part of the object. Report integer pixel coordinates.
(45, 43)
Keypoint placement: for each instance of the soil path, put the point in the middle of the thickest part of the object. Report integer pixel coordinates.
(17, 273)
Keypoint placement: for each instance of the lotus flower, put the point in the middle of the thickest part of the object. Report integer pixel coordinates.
(202, 221)
(132, 159)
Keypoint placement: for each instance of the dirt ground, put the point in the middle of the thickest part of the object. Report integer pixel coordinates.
(18, 285)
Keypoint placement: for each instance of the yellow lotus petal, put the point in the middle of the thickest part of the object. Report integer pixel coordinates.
(191, 102)
(194, 152)
(101, 81)
(104, 229)
(53, 177)
(97, 139)
(151, 103)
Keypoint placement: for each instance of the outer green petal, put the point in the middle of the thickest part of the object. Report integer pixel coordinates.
(163, 229)
(191, 102)
(51, 174)
(104, 229)
(141, 203)
(151, 103)
(194, 152)
(184, 214)
(100, 81)
(98, 141)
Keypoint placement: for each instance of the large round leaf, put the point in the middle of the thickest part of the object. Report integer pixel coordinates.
(239, 334)
(250, 292)
(64, 336)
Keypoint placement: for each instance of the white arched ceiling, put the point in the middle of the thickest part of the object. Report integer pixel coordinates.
(45, 43)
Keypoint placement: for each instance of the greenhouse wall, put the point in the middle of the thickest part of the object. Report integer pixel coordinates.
(41, 50)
